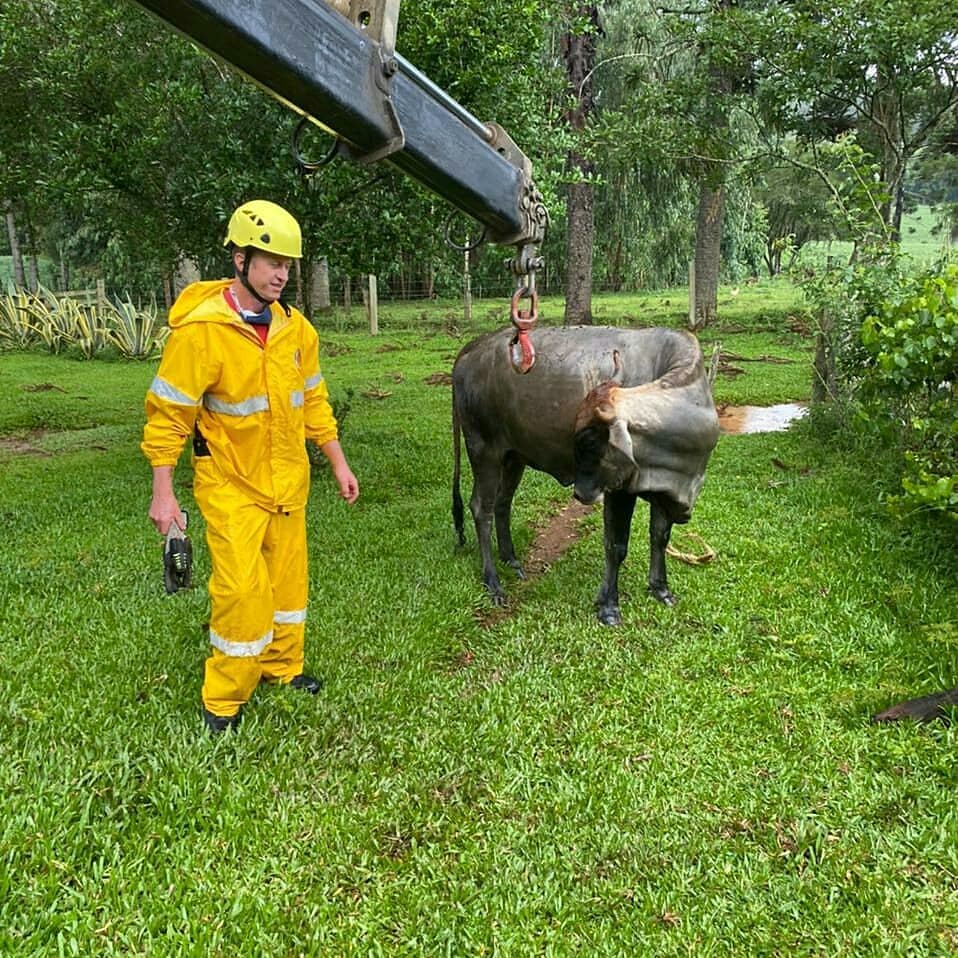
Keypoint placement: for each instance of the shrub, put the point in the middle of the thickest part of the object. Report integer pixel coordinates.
(911, 380)
(136, 332)
(60, 322)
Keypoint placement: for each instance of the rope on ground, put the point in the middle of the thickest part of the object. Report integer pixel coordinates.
(689, 558)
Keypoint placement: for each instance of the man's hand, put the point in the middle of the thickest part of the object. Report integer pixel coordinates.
(164, 508)
(348, 486)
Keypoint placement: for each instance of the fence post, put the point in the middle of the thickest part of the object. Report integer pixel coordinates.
(372, 306)
(466, 289)
(824, 376)
(100, 294)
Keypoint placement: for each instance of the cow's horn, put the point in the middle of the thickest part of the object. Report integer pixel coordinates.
(618, 373)
(619, 438)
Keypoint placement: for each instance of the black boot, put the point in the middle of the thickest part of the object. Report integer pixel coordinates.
(219, 723)
(307, 683)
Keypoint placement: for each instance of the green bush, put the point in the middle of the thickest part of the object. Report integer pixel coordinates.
(911, 380)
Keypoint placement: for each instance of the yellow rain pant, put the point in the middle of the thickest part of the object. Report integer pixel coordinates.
(258, 591)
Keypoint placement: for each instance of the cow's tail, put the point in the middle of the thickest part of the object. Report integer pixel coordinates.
(457, 511)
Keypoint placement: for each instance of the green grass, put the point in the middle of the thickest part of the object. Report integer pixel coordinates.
(922, 240)
(703, 780)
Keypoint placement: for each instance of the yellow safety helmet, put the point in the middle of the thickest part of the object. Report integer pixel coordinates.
(266, 226)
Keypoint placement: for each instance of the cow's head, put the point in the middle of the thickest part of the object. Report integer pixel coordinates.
(652, 438)
(603, 447)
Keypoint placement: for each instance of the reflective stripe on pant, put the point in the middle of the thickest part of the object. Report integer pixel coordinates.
(258, 592)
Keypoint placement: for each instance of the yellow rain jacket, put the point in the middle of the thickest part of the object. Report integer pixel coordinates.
(254, 404)
(250, 406)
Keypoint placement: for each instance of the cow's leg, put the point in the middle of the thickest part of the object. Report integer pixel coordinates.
(512, 470)
(660, 528)
(482, 506)
(617, 520)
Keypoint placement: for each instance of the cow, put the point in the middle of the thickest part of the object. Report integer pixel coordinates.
(616, 413)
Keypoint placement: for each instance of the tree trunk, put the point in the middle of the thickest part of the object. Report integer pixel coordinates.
(579, 240)
(888, 117)
(708, 239)
(319, 291)
(578, 50)
(64, 269)
(187, 272)
(33, 272)
(16, 255)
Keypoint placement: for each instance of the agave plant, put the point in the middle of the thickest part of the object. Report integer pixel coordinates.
(15, 329)
(89, 331)
(136, 332)
(52, 319)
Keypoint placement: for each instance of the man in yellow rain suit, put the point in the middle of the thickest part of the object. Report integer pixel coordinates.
(240, 375)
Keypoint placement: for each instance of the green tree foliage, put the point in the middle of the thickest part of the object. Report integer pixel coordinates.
(127, 146)
(889, 345)
(798, 209)
(886, 68)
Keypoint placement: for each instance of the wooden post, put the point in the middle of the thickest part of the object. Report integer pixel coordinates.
(691, 294)
(466, 290)
(824, 374)
(348, 294)
(100, 294)
(372, 306)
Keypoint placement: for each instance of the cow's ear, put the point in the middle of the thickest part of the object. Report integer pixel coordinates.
(620, 439)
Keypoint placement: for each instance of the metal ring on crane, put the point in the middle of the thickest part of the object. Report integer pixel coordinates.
(466, 247)
(310, 166)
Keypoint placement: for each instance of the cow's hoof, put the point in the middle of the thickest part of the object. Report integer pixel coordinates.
(610, 617)
(663, 596)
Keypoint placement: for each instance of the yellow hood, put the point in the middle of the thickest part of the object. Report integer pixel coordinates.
(202, 302)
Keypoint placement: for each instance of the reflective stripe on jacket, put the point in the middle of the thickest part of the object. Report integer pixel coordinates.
(254, 403)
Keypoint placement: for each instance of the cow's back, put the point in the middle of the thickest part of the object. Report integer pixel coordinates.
(534, 413)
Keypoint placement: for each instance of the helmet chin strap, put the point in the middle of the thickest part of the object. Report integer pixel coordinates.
(244, 279)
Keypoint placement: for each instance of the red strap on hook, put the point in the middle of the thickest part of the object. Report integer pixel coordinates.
(522, 355)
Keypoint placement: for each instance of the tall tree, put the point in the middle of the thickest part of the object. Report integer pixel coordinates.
(892, 75)
(578, 46)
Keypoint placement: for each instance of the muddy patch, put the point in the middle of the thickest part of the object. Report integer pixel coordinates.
(42, 388)
(22, 446)
(741, 420)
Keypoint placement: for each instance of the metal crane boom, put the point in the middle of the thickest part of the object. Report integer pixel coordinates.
(349, 81)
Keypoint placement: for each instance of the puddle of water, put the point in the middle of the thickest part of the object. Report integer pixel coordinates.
(737, 420)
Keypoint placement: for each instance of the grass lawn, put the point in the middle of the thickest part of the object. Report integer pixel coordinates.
(703, 780)
(922, 239)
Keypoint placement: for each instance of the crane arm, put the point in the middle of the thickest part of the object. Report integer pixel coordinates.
(348, 80)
